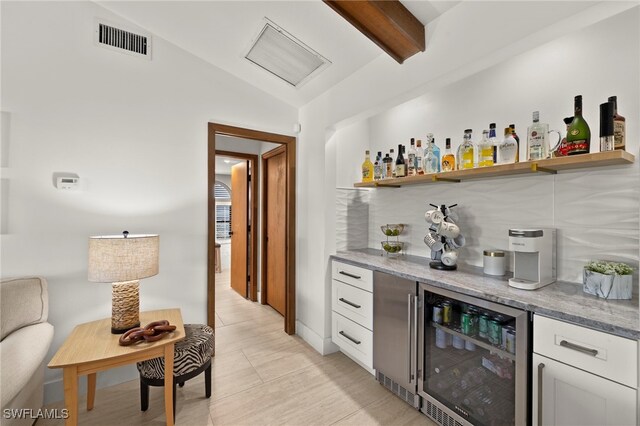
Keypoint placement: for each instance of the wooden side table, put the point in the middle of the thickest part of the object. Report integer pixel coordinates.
(91, 348)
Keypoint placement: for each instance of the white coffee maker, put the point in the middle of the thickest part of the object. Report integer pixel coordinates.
(534, 257)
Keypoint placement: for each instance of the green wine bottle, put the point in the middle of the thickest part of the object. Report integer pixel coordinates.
(579, 134)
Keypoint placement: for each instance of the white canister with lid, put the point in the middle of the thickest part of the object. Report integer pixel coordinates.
(494, 262)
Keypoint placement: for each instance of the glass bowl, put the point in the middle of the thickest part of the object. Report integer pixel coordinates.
(392, 247)
(392, 230)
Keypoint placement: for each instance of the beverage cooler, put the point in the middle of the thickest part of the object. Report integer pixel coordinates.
(472, 359)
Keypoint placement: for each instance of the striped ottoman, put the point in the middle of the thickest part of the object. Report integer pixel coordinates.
(191, 356)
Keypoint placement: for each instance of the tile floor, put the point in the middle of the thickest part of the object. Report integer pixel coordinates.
(261, 376)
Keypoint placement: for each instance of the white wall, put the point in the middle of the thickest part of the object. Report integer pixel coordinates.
(460, 43)
(135, 131)
(595, 211)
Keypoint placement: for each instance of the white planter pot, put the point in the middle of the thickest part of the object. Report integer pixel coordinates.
(607, 286)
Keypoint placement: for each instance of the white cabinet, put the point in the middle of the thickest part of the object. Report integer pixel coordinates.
(580, 381)
(352, 312)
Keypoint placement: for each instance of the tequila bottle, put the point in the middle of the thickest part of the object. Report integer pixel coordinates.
(485, 150)
(411, 161)
(465, 152)
(387, 170)
(419, 157)
(378, 167)
(448, 159)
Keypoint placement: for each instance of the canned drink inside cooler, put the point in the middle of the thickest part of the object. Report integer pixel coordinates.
(446, 313)
(495, 332)
(470, 346)
(437, 314)
(458, 342)
(483, 325)
(441, 338)
(511, 340)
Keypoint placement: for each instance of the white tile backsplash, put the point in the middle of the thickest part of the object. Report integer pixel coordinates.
(596, 213)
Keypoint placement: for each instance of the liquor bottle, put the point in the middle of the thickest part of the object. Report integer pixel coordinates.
(619, 124)
(537, 139)
(494, 141)
(367, 168)
(579, 135)
(393, 162)
(430, 165)
(561, 149)
(419, 158)
(401, 166)
(607, 138)
(448, 159)
(377, 167)
(387, 166)
(411, 159)
(515, 136)
(485, 150)
(465, 152)
(507, 150)
(436, 150)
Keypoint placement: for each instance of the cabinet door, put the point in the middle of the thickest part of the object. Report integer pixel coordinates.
(570, 396)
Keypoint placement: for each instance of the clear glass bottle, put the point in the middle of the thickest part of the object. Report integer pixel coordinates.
(619, 124)
(465, 152)
(448, 159)
(485, 150)
(430, 159)
(537, 139)
(393, 163)
(367, 168)
(436, 150)
(507, 150)
(494, 141)
(411, 159)
(378, 167)
(401, 165)
(419, 157)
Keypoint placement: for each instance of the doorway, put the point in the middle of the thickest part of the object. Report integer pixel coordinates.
(286, 213)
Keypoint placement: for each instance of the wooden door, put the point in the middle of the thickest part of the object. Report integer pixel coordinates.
(575, 397)
(275, 225)
(239, 226)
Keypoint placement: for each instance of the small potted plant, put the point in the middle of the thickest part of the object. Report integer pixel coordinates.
(609, 280)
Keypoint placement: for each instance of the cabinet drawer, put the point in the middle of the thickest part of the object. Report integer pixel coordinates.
(354, 275)
(352, 338)
(353, 303)
(604, 354)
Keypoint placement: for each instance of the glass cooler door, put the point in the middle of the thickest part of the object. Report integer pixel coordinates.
(473, 356)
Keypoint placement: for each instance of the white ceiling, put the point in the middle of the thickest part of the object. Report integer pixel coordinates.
(221, 32)
(223, 168)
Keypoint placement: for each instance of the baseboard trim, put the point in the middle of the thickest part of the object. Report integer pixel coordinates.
(324, 346)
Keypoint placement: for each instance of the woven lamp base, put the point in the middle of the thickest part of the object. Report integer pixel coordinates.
(125, 306)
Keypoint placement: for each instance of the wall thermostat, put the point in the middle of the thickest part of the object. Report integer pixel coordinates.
(68, 182)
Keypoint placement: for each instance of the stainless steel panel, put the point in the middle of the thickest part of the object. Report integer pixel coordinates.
(394, 352)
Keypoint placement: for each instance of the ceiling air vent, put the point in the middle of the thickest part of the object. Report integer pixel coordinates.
(283, 55)
(122, 40)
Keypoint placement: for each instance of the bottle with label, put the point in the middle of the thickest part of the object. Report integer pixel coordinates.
(465, 152)
(430, 160)
(377, 167)
(619, 124)
(579, 134)
(387, 166)
(419, 158)
(607, 132)
(448, 159)
(393, 163)
(494, 141)
(561, 149)
(537, 139)
(436, 151)
(411, 159)
(401, 166)
(485, 150)
(515, 136)
(507, 150)
(367, 168)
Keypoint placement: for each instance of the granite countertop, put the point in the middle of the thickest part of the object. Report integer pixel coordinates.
(561, 300)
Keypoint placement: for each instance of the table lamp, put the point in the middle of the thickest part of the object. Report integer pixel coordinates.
(123, 260)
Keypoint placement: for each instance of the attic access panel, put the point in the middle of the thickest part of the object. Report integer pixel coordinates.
(285, 56)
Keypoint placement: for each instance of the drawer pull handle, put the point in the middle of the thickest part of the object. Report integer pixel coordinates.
(569, 345)
(343, 300)
(357, 277)
(540, 368)
(357, 342)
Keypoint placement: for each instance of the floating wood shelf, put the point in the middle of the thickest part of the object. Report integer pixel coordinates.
(551, 166)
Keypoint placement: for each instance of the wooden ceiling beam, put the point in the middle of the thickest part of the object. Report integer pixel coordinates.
(387, 23)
